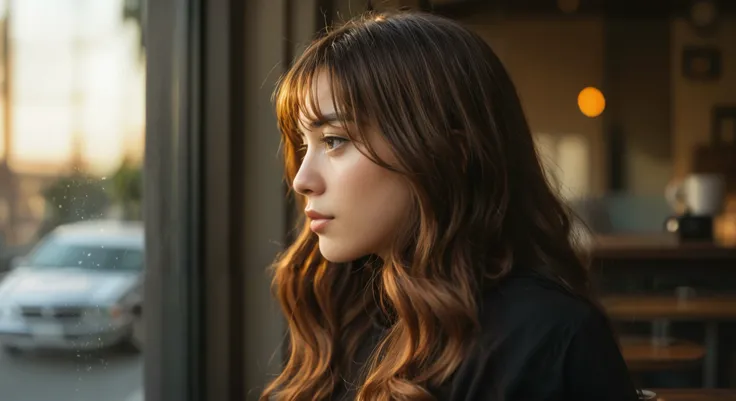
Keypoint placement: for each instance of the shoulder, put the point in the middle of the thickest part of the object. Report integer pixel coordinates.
(528, 323)
(530, 301)
(531, 318)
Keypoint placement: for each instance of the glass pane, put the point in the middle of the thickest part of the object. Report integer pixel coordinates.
(71, 235)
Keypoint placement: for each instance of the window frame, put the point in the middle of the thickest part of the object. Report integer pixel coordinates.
(172, 310)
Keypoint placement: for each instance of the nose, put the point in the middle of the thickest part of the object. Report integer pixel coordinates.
(308, 180)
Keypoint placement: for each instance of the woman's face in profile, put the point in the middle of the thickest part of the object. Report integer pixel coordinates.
(354, 205)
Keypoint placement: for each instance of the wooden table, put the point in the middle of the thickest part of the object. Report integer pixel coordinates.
(695, 394)
(657, 246)
(661, 310)
(643, 307)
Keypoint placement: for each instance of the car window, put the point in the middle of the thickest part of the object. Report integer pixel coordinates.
(60, 254)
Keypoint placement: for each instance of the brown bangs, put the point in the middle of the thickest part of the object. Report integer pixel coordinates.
(295, 97)
(291, 99)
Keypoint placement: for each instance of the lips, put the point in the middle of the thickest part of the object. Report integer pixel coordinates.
(319, 221)
(315, 215)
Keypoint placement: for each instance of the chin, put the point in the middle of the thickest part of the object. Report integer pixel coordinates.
(337, 253)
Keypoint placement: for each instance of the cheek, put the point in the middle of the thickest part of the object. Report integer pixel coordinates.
(376, 200)
(370, 204)
(364, 183)
(351, 178)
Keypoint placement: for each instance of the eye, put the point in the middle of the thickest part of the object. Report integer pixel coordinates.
(333, 142)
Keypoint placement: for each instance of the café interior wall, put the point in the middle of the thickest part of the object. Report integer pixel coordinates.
(637, 90)
(551, 59)
(692, 100)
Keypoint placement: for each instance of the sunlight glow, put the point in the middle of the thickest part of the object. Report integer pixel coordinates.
(76, 72)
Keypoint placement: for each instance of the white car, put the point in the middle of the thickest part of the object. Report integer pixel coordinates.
(80, 288)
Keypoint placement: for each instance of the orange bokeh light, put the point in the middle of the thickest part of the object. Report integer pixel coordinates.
(591, 102)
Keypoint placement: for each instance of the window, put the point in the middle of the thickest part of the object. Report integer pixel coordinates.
(566, 160)
(72, 250)
(62, 254)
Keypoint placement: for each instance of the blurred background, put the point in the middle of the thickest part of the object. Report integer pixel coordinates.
(632, 104)
(73, 75)
(72, 90)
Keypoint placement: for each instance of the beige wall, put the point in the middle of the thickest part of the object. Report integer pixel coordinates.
(550, 61)
(692, 100)
(638, 90)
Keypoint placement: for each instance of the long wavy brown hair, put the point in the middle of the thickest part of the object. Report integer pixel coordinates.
(447, 107)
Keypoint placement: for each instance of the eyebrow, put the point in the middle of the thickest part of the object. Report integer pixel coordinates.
(330, 119)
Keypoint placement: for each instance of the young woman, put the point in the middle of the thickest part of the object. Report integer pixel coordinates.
(435, 263)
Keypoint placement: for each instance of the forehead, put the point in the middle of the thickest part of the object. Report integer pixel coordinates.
(317, 100)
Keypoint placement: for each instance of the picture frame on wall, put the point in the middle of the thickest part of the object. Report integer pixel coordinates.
(719, 155)
(701, 63)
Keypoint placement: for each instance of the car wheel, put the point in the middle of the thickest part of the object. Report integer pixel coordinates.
(133, 343)
(11, 350)
(137, 335)
(129, 346)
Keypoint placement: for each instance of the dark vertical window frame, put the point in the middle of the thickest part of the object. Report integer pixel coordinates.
(222, 192)
(195, 195)
(191, 158)
(262, 211)
(172, 308)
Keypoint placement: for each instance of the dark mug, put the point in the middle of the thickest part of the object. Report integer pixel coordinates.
(691, 228)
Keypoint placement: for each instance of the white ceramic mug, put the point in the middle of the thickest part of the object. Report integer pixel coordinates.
(701, 194)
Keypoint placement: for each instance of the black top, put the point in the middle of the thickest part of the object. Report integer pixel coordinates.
(537, 343)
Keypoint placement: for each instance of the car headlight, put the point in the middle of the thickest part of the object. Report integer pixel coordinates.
(104, 312)
(115, 311)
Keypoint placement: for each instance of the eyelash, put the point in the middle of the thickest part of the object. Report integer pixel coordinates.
(326, 140)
